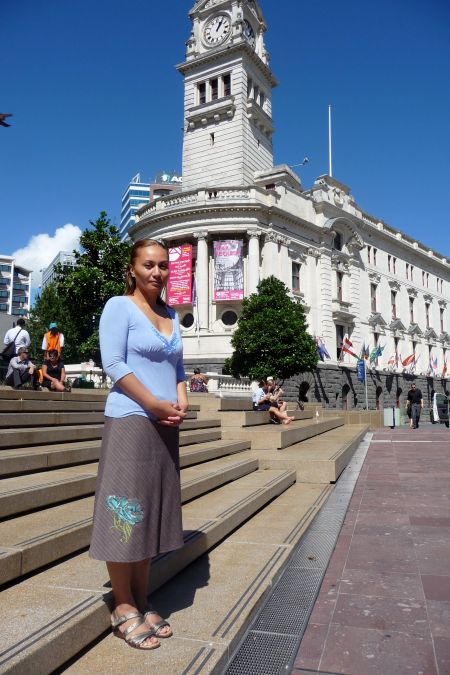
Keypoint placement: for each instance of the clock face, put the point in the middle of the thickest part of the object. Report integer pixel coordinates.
(217, 30)
(249, 33)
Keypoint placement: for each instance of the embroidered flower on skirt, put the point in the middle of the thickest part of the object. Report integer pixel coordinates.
(126, 514)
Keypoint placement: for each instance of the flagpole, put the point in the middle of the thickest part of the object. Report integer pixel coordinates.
(365, 382)
(329, 143)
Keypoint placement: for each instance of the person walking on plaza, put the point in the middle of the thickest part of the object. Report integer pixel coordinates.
(21, 370)
(137, 513)
(15, 338)
(53, 339)
(415, 402)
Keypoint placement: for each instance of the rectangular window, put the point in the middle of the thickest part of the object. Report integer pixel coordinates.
(411, 271)
(407, 270)
(373, 298)
(201, 93)
(339, 339)
(427, 314)
(340, 283)
(441, 317)
(427, 279)
(249, 88)
(369, 254)
(255, 92)
(423, 278)
(389, 263)
(262, 100)
(394, 304)
(411, 310)
(337, 241)
(394, 262)
(296, 267)
(374, 256)
(227, 85)
(214, 84)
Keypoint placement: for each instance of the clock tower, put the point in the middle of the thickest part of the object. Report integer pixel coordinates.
(228, 95)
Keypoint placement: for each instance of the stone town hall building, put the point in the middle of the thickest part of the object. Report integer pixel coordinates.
(353, 273)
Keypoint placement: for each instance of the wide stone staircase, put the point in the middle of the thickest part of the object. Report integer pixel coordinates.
(249, 491)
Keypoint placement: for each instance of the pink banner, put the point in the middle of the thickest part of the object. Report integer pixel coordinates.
(228, 270)
(179, 287)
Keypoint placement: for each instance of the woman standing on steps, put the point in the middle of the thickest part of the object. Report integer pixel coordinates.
(137, 512)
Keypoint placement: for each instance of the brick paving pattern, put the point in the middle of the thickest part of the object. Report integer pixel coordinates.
(384, 604)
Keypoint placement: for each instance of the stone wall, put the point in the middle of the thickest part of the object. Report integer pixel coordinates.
(337, 387)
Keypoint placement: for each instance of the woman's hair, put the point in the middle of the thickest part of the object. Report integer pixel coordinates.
(196, 371)
(130, 281)
(262, 383)
(53, 352)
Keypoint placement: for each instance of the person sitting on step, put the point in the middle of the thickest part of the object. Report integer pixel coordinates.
(261, 402)
(21, 371)
(53, 372)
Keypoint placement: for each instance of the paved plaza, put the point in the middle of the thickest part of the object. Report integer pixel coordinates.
(384, 604)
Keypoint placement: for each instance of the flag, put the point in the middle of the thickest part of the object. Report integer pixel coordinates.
(393, 360)
(444, 369)
(364, 351)
(347, 347)
(376, 353)
(322, 350)
(409, 360)
(434, 364)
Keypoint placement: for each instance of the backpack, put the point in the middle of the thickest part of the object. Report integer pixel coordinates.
(10, 349)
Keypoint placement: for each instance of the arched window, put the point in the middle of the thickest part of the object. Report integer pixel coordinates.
(379, 398)
(345, 392)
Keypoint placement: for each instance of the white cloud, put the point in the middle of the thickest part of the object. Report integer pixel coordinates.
(42, 248)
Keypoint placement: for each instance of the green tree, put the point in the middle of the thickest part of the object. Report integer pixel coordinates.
(77, 297)
(271, 337)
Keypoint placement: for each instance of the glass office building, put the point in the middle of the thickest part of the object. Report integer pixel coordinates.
(15, 287)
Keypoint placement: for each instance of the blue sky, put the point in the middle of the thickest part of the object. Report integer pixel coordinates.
(96, 98)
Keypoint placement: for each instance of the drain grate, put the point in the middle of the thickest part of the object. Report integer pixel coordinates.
(264, 654)
(272, 641)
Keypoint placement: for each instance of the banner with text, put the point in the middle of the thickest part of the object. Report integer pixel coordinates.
(228, 270)
(179, 287)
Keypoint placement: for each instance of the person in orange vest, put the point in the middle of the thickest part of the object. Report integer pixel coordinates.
(53, 339)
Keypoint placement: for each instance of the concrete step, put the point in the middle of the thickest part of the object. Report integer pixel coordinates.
(46, 419)
(203, 452)
(252, 418)
(17, 438)
(16, 406)
(11, 420)
(68, 598)
(281, 436)
(28, 460)
(36, 539)
(38, 490)
(44, 395)
(227, 404)
(229, 584)
(189, 437)
(317, 460)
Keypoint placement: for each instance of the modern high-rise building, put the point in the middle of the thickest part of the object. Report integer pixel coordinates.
(63, 258)
(138, 194)
(15, 282)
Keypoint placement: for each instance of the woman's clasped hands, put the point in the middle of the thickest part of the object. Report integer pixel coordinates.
(168, 413)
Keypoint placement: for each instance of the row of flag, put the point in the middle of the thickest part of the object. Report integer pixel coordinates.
(394, 361)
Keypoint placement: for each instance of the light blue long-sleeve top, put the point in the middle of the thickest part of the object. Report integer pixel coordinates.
(130, 343)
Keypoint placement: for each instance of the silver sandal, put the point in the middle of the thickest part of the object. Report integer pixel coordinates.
(138, 639)
(156, 627)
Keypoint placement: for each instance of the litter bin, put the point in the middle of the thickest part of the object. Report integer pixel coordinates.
(389, 416)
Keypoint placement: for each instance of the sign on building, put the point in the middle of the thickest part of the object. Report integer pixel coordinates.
(179, 287)
(228, 270)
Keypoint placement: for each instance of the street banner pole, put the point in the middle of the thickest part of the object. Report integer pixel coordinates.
(365, 379)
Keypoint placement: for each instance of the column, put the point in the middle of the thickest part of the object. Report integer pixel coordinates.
(253, 260)
(202, 280)
(355, 295)
(284, 262)
(270, 255)
(326, 328)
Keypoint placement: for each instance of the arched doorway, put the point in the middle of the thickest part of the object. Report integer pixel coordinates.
(399, 397)
(379, 398)
(345, 393)
(303, 392)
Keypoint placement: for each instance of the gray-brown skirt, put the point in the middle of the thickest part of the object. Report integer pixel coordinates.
(137, 511)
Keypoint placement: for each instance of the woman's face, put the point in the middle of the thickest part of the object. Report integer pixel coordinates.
(151, 269)
(53, 357)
